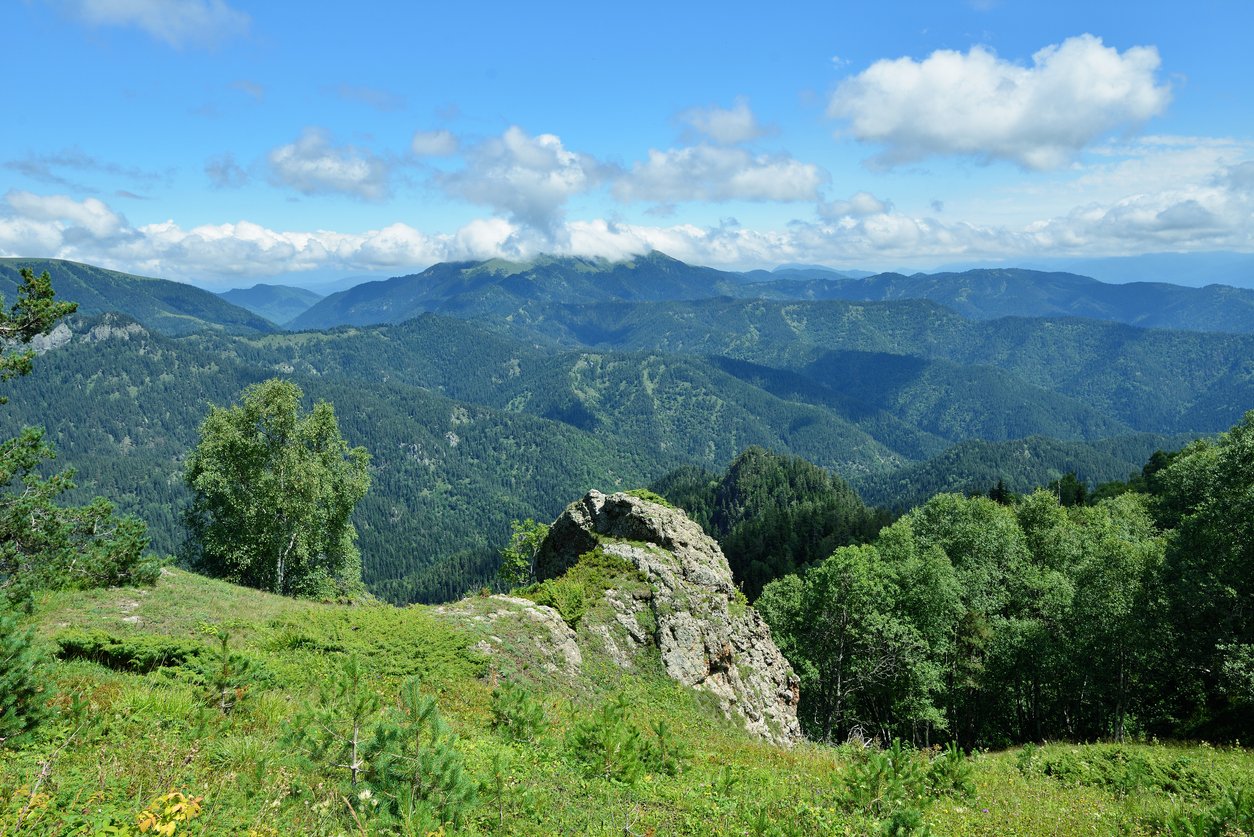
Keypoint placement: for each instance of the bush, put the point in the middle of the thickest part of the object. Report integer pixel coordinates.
(516, 713)
(665, 753)
(1233, 814)
(23, 693)
(885, 781)
(566, 596)
(608, 744)
(572, 593)
(1124, 772)
(650, 496)
(951, 774)
(140, 653)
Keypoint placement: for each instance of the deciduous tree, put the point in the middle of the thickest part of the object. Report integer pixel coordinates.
(273, 493)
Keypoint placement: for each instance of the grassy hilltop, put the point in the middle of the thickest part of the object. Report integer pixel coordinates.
(141, 658)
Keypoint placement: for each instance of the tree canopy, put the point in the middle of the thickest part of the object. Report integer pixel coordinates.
(274, 490)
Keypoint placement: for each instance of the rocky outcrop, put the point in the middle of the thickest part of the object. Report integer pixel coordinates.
(708, 637)
(520, 633)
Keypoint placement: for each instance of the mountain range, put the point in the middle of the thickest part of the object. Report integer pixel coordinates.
(525, 385)
(503, 289)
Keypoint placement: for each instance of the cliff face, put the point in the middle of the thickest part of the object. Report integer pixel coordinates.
(708, 638)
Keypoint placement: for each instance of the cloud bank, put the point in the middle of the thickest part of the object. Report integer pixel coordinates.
(1217, 213)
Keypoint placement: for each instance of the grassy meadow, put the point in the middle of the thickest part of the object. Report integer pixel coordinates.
(140, 744)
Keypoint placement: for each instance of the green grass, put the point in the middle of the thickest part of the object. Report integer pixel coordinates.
(149, 734)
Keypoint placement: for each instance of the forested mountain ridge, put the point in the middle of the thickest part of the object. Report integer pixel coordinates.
(1015, 292)
(502, 289)
(169, 307)
(1117, 369)
(498, 288)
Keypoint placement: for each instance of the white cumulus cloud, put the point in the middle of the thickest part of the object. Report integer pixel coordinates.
(977, 104)
(90, 215)
(176, 22)
(859, 205)
(312, 165)
(717, 173)
(529, 178)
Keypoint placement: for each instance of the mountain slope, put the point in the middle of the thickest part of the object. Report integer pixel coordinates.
(499, 288)
(169, 307)
(989, 294)
(1023, 464)
(448, 477)
(1148, 379)
(277, 303)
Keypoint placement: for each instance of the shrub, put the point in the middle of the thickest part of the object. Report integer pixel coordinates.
(665, 752)
(421, 769)
(23, 693)
(890, 785)
(650, 496)
(139, 653)
(950, 774)
(608, 744)
(572, 593)
(516, 713)
(566, 596)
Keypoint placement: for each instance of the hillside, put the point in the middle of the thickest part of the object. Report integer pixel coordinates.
(1150, 380)
(498, 288)
(471, 427)
(277, 303)
(172, 308)
(528, 710)
(473, 422)
(1014, 292)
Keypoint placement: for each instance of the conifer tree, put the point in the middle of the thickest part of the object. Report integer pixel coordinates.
(23, 695)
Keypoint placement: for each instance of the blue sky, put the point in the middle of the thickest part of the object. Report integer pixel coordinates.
(226, 141)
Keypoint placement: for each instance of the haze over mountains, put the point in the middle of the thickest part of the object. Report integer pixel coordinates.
(490, 391)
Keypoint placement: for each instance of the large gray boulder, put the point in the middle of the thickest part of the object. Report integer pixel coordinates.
(708, 637)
